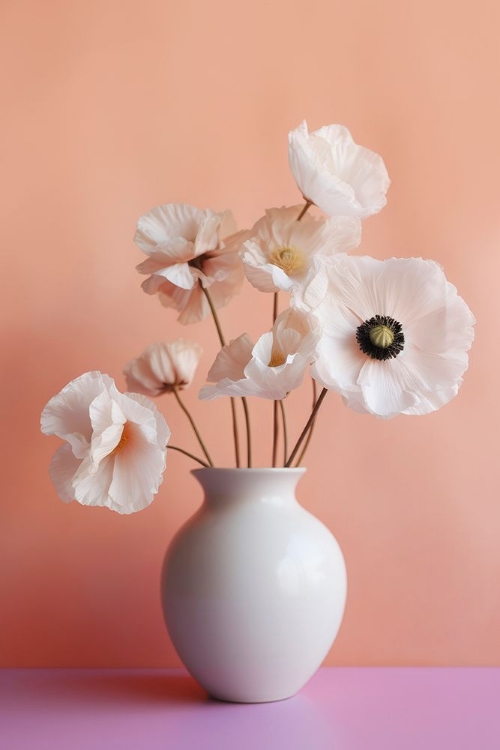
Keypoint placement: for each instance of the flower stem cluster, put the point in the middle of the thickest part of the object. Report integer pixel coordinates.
(390, 336)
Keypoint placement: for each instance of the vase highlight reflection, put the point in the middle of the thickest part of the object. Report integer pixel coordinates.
(253, 587)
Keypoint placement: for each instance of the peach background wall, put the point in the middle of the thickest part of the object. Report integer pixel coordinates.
(109, 108)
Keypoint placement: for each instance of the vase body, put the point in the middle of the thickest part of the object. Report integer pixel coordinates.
(253, 587)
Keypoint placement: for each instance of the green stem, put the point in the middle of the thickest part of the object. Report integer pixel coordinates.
(187, 453)
(306, 428)
(193, 424)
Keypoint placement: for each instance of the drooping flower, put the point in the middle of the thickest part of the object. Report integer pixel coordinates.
(190, 250)
(163, 367)
(270, 369)
(280, 251)
(395, 335)
(336, 174)
(114, 455)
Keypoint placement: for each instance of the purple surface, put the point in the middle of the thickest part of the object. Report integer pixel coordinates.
(340, 709)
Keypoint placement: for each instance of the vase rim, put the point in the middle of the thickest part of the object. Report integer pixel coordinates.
(253, 469)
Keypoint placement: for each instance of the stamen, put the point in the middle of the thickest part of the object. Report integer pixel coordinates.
(277, 359)
(289, 258)
(380, 337)
(126, 435)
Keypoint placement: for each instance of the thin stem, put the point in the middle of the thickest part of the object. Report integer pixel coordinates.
(307, 205)
(309, 434)
(285, 433)
(233, 405)
(193, 425)
(275, 310)
(243, 399)
(236, 437)
(214, 315)
(308, 424)
(249, 436)
(275, 432)
(187, 453)
(275, 403)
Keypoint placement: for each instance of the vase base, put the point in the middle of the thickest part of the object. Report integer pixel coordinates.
(251, 701)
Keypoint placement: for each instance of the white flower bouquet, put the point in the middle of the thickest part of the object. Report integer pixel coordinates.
(391, 337)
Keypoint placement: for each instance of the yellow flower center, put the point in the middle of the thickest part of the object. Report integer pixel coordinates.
(381, 336)
(277, 359)
(289, 258)
(126, 435)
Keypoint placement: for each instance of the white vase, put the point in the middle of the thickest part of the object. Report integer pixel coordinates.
(253, 587)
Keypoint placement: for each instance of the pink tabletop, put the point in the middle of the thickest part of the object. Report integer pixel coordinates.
(340, 709)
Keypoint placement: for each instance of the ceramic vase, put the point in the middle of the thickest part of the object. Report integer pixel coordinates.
(253, 587)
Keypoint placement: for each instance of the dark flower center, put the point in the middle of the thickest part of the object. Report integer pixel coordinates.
(197, 262)
(200, 260)
(381, 337)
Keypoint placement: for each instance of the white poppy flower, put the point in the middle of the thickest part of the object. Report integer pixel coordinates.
(188, 247)
(270, 369)
(114, 454)
(280, 252)
(336, 174)
(161, 367)
(395, 335)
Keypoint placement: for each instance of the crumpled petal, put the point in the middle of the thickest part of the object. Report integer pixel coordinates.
(179, 274)
(232, 360)
(168, 224)
(62, 469)
(122, 457)
(333, 172)
(187, 247)
(282, 253)
(273, 367)
(163, 366)
(67, 414)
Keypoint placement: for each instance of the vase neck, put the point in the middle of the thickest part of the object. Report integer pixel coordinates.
(273, 486)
